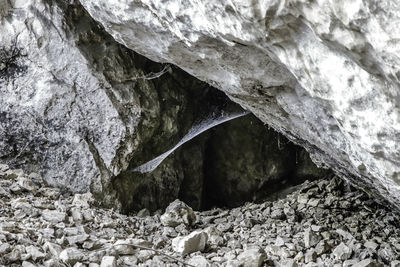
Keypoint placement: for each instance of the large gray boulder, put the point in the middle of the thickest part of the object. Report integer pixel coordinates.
(75, 105)
(324, 73)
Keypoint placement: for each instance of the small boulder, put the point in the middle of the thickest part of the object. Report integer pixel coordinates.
(196, 241)
(27, 184)
(54, 216)
(83, 200)
(71, 255)
(35, 253)
(252, 257)
(311, 238)
(199, 261)
(108, 261)
(124, 248)
(342, 252)
(176, 213)
(368, 263)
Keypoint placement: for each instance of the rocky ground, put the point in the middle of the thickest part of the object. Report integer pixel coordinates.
(322, 223)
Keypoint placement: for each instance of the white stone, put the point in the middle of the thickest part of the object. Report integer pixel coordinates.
(123, 247)
(108, 261)
(83, 200)
(195, 241)
(54, 216)
(53, 248)
(199, 261)
(35, 253)
(342, 252)
(71, 255)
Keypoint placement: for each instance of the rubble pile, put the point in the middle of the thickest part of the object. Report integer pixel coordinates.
(322, 223)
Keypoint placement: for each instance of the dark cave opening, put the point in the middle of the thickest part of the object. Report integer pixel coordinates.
(238, 161)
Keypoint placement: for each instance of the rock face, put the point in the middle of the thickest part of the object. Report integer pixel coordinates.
(325, 73)
(62, 110)
(84, 110)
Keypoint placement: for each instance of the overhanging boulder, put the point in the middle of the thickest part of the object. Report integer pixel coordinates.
(324, 73)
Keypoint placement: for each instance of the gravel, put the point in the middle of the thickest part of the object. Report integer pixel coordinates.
(322, 223)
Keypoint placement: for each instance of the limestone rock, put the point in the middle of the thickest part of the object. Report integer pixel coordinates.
(71, 255)
(252, 257)
(83, 200)
(54, 216)
(311, 238)
(199, 261)
(176, 213)
(325, 73)
(123, 247)
(367, 263)
(342, 251)
(35, 253)
(108, 261)
(196, 241)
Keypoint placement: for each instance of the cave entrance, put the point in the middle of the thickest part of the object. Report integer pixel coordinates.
(235, 162)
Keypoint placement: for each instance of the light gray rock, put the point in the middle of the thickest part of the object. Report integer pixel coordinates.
(123, 247)
(367, 263)
(342, 252)
(27, 184)
(28, 264)
(77, 239)
(199, 261)
(176, 213)
(53, 248)
(288, 263)
(215, 237)
(108, 261)
(83, 200)
(322, 247)
(128, 260)
(311, 238)
(5, 248)
(196, 241)
(370, 244)
(71, 255)
(278, 214)
(310, 256)
(54, 216)
(35, 253)
(252, 257)
(290, 64)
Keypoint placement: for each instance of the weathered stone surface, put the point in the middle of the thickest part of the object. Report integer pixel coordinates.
(325, 73)
(108, 261)
(196, 241)
(54, 216)
(71, 255)
(342, 252)
(83, 111)
(242, 236)
(77, 106)
(176, 213)
(252, 257)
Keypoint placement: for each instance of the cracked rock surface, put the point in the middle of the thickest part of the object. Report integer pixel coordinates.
(325, 73)
(322, 223)
(83, 111)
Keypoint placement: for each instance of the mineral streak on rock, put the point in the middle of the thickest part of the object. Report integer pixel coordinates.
(325, 73)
